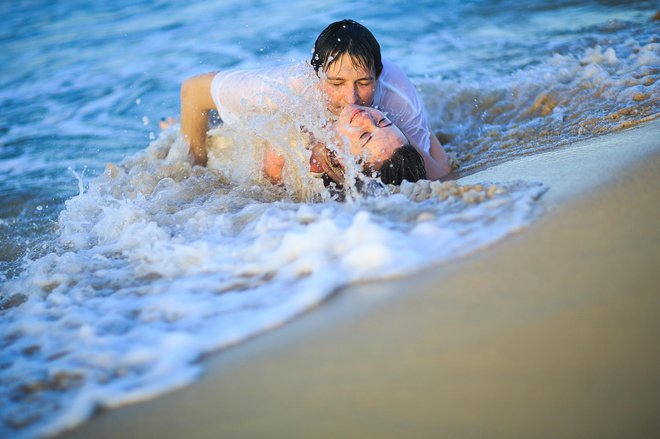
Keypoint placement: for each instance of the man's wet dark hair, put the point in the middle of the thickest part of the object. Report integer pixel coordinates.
(405, 164)
(347, 36)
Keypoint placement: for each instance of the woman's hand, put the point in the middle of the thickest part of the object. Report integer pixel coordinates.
(322, 162)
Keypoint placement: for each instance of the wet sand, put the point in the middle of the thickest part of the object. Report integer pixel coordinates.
(551, 332)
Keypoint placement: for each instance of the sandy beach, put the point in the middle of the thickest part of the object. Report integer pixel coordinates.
(551, 332)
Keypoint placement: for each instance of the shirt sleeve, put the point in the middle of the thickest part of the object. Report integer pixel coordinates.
(403, 105)
(238, 93)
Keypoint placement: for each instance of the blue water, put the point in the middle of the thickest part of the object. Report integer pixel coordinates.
(77, 79)
(83, 84)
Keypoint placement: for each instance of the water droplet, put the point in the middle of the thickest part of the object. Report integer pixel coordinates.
(40, 207)
(138, 101)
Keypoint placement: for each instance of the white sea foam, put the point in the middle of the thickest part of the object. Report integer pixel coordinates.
(159, 263)
(561, 100)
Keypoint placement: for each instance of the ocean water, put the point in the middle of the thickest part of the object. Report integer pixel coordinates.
(121, 265)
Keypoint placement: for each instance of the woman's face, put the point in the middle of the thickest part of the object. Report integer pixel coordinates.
(370, 134)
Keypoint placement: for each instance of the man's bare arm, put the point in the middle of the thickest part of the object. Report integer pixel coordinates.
(196, 101)
(436, 161)
(439, 165)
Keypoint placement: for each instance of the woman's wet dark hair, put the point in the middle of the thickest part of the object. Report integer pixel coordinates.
(347, 36)
(405, 164)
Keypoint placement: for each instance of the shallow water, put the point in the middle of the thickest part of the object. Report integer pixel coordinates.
(117, 279)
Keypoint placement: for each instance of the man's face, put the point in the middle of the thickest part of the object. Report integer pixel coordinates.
(346, 83)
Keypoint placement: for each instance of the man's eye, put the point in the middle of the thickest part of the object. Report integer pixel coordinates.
(383, 123)
(365, 84)
(363, 135)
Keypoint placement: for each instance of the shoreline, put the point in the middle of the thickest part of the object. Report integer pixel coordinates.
(550, 332)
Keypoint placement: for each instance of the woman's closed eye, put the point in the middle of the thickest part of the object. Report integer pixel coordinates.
(383, 123)
(366, 137)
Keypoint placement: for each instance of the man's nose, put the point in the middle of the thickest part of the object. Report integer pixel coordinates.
(352, 96)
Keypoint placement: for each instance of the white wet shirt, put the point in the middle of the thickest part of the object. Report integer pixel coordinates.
(240, 92)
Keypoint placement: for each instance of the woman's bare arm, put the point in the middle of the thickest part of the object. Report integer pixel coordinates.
(196, 101)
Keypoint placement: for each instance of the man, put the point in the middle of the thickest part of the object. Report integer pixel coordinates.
(348, 63)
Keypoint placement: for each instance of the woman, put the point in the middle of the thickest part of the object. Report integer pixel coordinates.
(372, 139)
